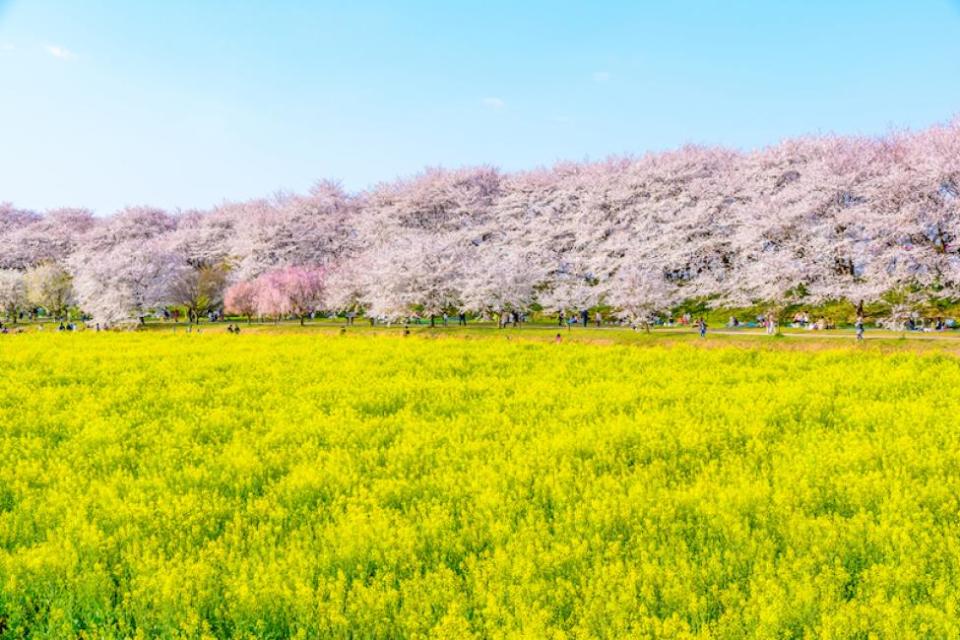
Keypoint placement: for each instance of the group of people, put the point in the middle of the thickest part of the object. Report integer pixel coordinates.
(5, 329)
(61, 327)
(939, 324)
(768, 321)
(583, 319)
(67, 326)
(443, 318)
(801, 320)
(508, 318)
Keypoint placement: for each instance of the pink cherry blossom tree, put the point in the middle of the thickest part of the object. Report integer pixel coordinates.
(303, 287)
(294, 291)
(241, 299)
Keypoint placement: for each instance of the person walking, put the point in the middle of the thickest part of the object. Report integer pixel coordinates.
(598, 318)
(702, 326)
(560, 318)
(859, 327)
(462, 319)
(585, 318)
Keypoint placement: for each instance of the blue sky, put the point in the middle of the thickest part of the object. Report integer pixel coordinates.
(106, 103)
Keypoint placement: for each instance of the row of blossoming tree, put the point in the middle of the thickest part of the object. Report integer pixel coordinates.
(812, 219)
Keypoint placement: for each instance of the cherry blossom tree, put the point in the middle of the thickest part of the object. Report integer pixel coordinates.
(499, 281)
(120, 284)
(123, 267)
(13, 293)
(50, 286)
(241, 299)
(318, 229)
(48, 238)
(271, 300)
(12, 218)
(303, 287)
(806, 221)
(297, 291)
(344, 286)
(638, 291)
(417, 273)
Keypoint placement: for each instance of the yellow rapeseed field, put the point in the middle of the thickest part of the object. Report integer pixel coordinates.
(305, 486)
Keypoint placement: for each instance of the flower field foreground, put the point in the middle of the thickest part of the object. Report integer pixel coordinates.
(381, 487)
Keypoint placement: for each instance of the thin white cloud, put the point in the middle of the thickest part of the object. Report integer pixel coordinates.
(61, 53)
(6, 46)
(602, 76)
(494, 103)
